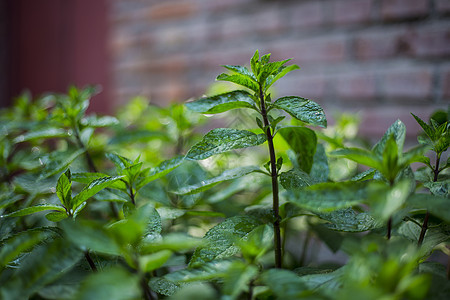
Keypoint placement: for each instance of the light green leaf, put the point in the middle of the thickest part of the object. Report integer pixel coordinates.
(171, 241)
(436, 205)
(302, 109)
(64, 189)
(284, 284)
(205, 271)
(120, 161)
(295, 179)
(243, 80)
(237, 279)
(270, 68)
(439, 188)
(360, 156)
(42, 134)
(209, 183)
(93, 188)
(157, 172)
(221, 140)
(303, 142)
(95, 121)
(398, 130)
(241, 70)
(56, 216)
(153, 261)
(386, 200)
(34, 209)
(220, 240)
(221, 103)
(163, 286)
(427, 128)
(111, 284)
(325, 197)
(86, 177)
(135, 136)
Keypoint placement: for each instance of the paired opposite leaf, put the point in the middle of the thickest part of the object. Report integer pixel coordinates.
(303, 142)
(221, 140)
(302, 109)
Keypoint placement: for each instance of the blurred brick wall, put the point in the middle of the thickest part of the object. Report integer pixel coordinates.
(380, 58)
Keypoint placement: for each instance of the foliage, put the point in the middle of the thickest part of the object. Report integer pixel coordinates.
(140, 206)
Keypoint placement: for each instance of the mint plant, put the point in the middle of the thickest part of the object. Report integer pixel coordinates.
(258, 81)
(145, 208)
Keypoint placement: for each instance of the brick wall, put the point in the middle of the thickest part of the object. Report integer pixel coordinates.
(380, 58)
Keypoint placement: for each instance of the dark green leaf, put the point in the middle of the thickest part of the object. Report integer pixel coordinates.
(324, 197)
(427, 128)
(221, 140)
(204, 271)
(64, 189)
(120, 161)
(398, 130)
(436, 205)
(220, 240)
(284, 284)
(295, 179)
(386, 200)
(56, 165)
(303, 142)
(135, 136)
(302, 109)
(172, 241)
(319, 171)
(349, 220)
(207, 184)
(237, 279)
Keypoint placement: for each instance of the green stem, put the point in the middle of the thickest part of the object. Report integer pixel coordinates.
(274, 175)
(132, 196)
(427, 215)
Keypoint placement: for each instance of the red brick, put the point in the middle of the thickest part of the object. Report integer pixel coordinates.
(378, 45)
(376, 120)
(322, 50)
(352, 11)
(432, 42)
(408, 84)
(172, 10)
(442, 6)
(445, 82)
(307, 15)
(356, 86)
(404, 9)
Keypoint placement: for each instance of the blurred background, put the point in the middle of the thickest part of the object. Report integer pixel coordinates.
(380, 59)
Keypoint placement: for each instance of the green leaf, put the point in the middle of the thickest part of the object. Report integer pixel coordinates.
(295, 179)
(34, 209)
(172, 241)
(221, 140)
(436, 205)
(221, 103)
(320, 170)
(59, 163)
(243, 80)
(439, 188)
(93, 188)
(237, 278)
(284, 284)
(303, 142)
(254, 62)
(64, 189)
(360, 156)
(86, 177)
(56, 216)
(427, 128)
(241, 70)
(111, 284)
(157, 172)
(302, 109)
(220, 240)
(135, 136)
(205, 271)
(43, 265)
(386, 200)
(153, 261)
(398, 130)
(163, 286)
(281, 72)
(325, 197)
(209, 183)
(349, 220)
(120, 161)
(270, 68)
(95, 121)
(21, 242)
(42, 134)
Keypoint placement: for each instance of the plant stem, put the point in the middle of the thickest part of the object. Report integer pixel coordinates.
(427, 215)
(274, 175)
(90, 261)
(130, 187)
(146, 289)
(389, 228)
